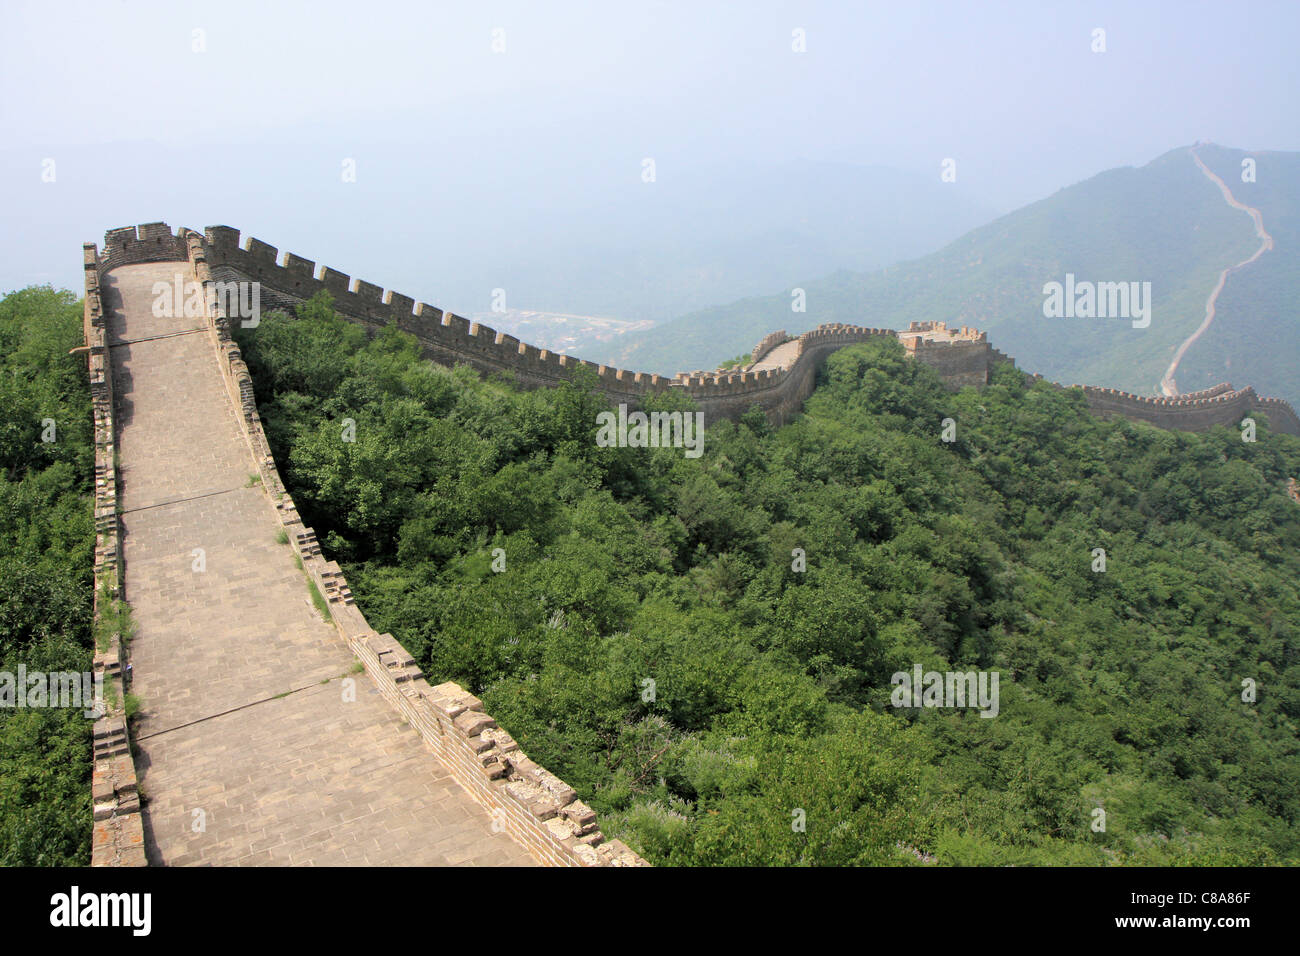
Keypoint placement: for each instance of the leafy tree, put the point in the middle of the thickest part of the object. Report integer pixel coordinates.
(652, 641)
(46, 561)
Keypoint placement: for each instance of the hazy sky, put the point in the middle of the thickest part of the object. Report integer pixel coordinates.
(252, 131)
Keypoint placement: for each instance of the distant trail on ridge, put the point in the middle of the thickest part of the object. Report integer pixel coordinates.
(1168, 384)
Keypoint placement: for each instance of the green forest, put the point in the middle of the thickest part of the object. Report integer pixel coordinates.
(703, 647)
(47, 541)
(653, 641)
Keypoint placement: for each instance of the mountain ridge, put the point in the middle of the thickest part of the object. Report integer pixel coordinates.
(1166, 216)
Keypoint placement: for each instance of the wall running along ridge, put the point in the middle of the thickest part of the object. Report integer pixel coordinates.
(961, 356)
(1227, 407)
(538, 809)
(535, 807)
(118, 829)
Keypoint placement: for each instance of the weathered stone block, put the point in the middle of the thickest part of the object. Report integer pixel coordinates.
(471, 722)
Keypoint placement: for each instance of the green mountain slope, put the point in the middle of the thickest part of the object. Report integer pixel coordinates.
(1164, 223)
(652, 643)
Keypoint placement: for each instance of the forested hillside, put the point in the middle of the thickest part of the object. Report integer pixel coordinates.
(1165, 223)
(650, 641)
(47, 539)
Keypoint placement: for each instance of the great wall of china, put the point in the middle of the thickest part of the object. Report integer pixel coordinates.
(278, 769)
(962, 357)
(536, 810)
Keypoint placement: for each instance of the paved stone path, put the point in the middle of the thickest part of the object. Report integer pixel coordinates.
(248, 752)
(783, 356)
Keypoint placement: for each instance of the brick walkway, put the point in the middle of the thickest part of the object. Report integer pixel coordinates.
(783, 356)
(241, 682)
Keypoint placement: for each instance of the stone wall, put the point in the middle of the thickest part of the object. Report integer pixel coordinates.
(536, 808)
(1279, 413)
(118, 829)
(450, 339)
(962, 356)
(1199, 411)
(152, 242)
(765, 345)
(959, 363)
(446, 338)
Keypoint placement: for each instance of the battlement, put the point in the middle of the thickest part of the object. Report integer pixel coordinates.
(1195, 411)
(118, 829)
(151, 242)
(539, 810)
(1213, 390)
(288, 278)
(961, 355)
(765, 345)
(446, 337)
(928, 334)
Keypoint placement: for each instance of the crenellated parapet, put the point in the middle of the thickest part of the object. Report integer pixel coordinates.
(1281, 416)
(118, 829)
(1195, 411)
(961, 355)
(766, 344)
(446, 338)
(286, 279)
(151, 242)
(536, 808)
(1210, 392)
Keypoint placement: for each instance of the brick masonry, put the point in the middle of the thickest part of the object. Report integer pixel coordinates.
(117, 837)
(961, 356)
(243, 718)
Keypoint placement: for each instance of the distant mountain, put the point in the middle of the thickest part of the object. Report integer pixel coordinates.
(1166, 223)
